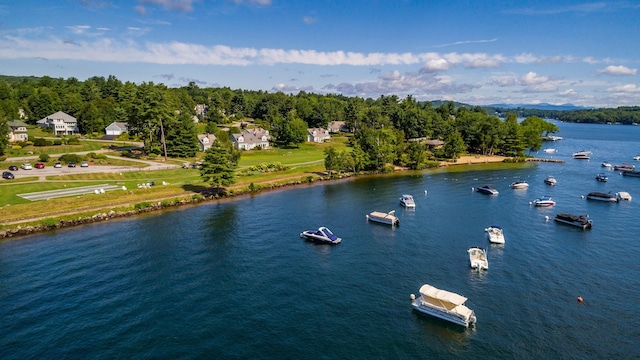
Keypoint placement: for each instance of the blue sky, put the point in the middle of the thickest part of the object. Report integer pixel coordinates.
(477, 52)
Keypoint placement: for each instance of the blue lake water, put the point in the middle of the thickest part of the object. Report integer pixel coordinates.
(233, 279)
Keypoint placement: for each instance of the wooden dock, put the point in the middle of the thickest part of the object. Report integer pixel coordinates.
(544, 160)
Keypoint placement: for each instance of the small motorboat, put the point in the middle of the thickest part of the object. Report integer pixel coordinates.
(623, 195)
(606, 164)
(602, 177)
(637, 157)
(384, 218)
(478, 258)
(581, 221)
(407, 201)
(322, 236)
(550, 151)
(602, 196)
(582, 155)
(544, 201)
(550, 180)
(487, 189)
(520, 184)
(496, 234)
(444, 305)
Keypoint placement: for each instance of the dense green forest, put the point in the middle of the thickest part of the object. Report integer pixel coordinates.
(625, 115)
(384, 130)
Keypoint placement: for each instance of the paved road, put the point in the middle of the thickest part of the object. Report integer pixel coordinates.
(69, 192)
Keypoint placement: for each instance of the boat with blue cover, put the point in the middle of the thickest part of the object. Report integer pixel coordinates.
(487, 189)
(322, 236)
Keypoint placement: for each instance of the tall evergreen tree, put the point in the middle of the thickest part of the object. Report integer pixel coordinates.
(218, 165)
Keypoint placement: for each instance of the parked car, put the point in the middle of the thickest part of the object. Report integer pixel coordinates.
(26, 166)
(84, 164)
(39, 166)
(7, 175)
(72, 164)
(13, 168)
(57, 165)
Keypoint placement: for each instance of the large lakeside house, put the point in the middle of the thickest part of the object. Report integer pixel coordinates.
(318, 135)
(61, 123)
(205, 141)
(251, 139)
(17, 131)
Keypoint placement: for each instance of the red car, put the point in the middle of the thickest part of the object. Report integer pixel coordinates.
(39, 166)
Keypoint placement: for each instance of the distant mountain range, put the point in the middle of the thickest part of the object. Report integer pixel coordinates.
(541, 106)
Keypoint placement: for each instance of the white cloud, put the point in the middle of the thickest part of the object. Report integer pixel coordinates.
(434, 65)
(180, 5)
(568, 92)
(617, 70)
(253, 2)
(309, 20)
(627, 88)
(532, 78)
(79, 29)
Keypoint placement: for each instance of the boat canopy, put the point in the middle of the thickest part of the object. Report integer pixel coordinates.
(442, 295)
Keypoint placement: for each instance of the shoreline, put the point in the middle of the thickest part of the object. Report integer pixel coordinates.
(108, 213)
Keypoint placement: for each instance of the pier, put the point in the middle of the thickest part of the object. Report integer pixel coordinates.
(544, 160)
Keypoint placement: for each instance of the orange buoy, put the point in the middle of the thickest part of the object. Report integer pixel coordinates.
(579, 298)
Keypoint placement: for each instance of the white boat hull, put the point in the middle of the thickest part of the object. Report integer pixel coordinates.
(387, 219)
(425, 308)
(496, 236)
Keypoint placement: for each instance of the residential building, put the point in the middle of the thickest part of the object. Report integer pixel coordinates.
(61, 123)
(336, 126)
(318, 135)
(251, 138)
(116, 128)
(205, 141)
(17, 131)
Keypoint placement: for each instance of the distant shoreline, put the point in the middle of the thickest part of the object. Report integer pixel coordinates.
(162, 203)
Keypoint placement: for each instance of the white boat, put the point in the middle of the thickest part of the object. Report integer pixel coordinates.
(496, 234)
(478, 258)
(637, 157)
(323, 236)
(544, 201)
(407, 201)
(623, 195)
(602, 196)
(444, 305)
(550, 180)
(552, 138)
(487, 189)
(602, 177)
(384, 218)
(550, 151)
(606, 164)
(520, 184)
(581, 221)
(582, 155)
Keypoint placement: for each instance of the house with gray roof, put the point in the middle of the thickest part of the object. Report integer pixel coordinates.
(318, 135)
(17, 131)
(116, 128)
(205, 141)
(251, 138)
(61, 123)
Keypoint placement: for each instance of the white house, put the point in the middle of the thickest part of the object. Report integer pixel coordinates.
(17, 131)
(205, 141)
(251, 138)
(61, 123)
(116, 128)
(318, 135)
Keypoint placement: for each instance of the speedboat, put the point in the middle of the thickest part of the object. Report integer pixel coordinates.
(520, 184)
(623, 195)
(581, 221)
(322, 236)
(582, 155)
(602, 196)
(637, 157)
(478, 258)
(632, 173)
(487, 189)
(606, 164)
(602, 177)
(407, 201)
(496, 234)
(544, 201)
(384, 218)
(550, 151)
(444, 305)
(550, 180)
(552, 138)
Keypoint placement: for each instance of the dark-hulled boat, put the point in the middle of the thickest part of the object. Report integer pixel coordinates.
(601, 196)
(581, 221)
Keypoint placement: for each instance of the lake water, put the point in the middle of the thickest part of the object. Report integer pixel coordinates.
(233, 279)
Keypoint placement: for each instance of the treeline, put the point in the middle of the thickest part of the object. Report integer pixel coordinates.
(625, 115)
(382, 127)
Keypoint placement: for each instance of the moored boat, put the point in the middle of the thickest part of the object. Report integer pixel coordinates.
(496, 234)
(444, 305)
(550, 150)
(323, 236)
(582, 155)
(520, 184)
(624, 167)
(407, 201)
(478, 258)
(550, 180)
(606, 164)
(602, 196)
(487, 189)
(581, 221)
(384, 218)
(544, 201)
(632, 173)
(637, 157)
(623, 195)
(602, 177)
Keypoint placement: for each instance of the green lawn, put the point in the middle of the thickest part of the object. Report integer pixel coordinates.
(288, 156)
